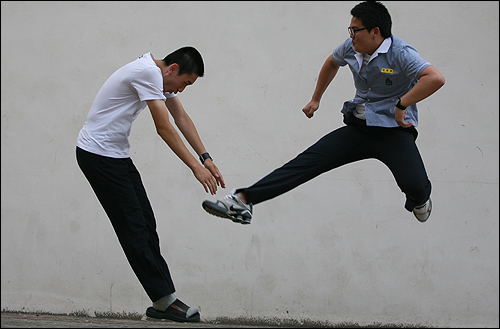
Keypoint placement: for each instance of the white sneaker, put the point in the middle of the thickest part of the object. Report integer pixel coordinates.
(231, 206)
(423, 212)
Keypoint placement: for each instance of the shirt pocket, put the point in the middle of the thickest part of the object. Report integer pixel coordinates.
(386, 79)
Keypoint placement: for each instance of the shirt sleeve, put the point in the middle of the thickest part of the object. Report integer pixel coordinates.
(411, 63)
(148, 84)
(340, 52)
(170, 95)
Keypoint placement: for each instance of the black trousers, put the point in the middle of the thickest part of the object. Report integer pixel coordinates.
(395, 147)
(118, 186)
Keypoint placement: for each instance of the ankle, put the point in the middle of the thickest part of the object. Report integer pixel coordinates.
(242, 196)
(164, 302)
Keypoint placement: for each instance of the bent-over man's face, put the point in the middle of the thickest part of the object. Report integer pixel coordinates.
(174, 83)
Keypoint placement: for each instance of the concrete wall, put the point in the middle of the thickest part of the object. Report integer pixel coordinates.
(338, 249)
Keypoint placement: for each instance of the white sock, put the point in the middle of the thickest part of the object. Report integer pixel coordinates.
(164, 302)
(191, 311)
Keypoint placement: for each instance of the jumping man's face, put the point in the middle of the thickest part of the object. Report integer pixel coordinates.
(361, 38)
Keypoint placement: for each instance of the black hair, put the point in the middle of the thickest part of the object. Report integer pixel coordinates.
(374, 14)
(188, 59)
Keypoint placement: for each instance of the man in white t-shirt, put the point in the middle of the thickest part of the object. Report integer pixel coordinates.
(103, 155)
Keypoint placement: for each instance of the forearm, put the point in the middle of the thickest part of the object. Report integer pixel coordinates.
(185, 125)
(174, 141)
(168, 133)
(326, 75)
(430, 81)
(209, 178)
(188, 130)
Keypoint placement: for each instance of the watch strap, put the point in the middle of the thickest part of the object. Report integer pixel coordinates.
(399, 106)
(205, 156)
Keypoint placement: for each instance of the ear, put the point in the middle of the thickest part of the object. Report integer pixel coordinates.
(173, 68)
(376, 32)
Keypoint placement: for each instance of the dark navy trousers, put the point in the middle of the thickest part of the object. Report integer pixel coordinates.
(355, 141)
(119, 188)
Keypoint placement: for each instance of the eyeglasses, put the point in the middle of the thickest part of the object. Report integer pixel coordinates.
(352, 32)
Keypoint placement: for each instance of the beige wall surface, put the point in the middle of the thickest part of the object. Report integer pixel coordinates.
(340, 248)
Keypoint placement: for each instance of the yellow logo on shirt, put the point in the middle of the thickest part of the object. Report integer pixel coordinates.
(390, 71)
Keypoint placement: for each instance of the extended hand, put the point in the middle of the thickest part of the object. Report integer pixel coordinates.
(310, 108)
(215, 172)
(205, 177)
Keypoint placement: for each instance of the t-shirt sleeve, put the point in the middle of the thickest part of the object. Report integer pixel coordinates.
(148, 84)
(170, 95)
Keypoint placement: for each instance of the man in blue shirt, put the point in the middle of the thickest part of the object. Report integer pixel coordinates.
(390, 78)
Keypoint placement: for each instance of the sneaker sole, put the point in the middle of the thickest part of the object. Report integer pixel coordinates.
(208, 206)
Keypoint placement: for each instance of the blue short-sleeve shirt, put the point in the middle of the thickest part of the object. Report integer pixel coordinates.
(392, 71)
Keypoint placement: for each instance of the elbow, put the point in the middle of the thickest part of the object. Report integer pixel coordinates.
(162, 130)
(434, 78)
(440, 81)
(437, 82)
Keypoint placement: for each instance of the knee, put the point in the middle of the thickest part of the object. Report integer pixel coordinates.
(418, 190)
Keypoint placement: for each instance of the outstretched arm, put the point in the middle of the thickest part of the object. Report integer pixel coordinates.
(326, 75)
(168, 133)
(188, 129)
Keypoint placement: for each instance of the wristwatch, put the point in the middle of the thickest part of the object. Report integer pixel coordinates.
(205, 156)
(399, 106)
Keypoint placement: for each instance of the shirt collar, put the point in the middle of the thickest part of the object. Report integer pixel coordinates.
(382, 49)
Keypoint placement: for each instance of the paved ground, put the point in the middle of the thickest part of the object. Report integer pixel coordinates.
(29, 320)
(34, 320)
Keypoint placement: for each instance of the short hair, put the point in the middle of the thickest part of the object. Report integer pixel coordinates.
(374, 14)
(188, 59)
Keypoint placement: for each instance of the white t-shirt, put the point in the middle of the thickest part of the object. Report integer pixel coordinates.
(119, 101)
